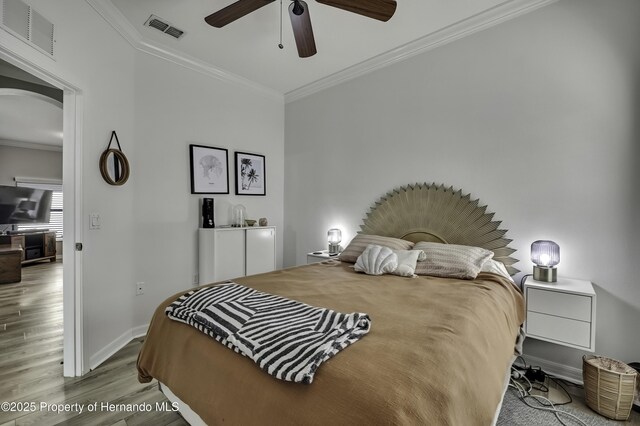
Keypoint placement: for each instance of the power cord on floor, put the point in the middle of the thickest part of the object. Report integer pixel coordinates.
(535, 375)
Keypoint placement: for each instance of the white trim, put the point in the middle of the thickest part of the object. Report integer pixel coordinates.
(139, 331)
(72, 190)
(120, 342)
(562, 371)
(114, 17)
(507, 10)
(18, 53)
(37, 180)
(31, 145)
(28, 93)
(110, 349)
(483, 20)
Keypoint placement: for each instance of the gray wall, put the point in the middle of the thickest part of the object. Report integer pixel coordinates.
(537, 117)
(140, 218)
(25, 162)
(175, 107)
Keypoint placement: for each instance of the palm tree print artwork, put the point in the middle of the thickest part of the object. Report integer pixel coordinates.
(252, 177)
(250, 174)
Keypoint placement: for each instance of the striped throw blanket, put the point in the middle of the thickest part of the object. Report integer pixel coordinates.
(286, 338)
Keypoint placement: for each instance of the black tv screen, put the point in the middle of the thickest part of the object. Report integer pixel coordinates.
(22, 205)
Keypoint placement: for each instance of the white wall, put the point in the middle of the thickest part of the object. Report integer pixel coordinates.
(176, 107)
(26, 162)
(93, 57)
(537, 117)
(148, 227)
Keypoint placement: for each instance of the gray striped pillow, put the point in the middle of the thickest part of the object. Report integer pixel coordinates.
(361, 241)
(451, 260)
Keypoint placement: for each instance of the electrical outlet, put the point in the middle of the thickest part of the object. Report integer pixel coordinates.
(196, 279)
(139, 288)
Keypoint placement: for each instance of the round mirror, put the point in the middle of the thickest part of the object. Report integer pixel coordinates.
(114, 167)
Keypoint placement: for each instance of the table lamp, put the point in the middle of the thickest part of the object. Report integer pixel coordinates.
(545, 255)
(334, 236)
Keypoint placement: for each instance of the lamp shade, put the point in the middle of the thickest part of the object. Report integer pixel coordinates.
(545, 253)
(334, 236)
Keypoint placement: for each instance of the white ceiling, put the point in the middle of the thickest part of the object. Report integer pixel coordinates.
(29, 117)
(248, 46)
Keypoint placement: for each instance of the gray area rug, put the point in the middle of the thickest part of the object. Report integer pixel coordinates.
(516, 413)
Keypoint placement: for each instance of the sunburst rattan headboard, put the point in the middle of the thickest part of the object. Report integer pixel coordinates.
(430, 212)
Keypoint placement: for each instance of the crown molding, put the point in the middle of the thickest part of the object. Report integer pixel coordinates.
(116, 19)
(507, 10)
(30, 94)
(31, 145)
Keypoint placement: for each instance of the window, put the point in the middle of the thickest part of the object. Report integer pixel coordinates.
(55, 221)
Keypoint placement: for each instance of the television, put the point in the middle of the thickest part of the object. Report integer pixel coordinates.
(22, 205)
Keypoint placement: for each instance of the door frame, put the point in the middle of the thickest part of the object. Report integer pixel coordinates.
(16, 53)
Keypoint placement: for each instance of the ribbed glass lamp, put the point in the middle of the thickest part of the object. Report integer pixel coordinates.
(545, 255)
(334, 236)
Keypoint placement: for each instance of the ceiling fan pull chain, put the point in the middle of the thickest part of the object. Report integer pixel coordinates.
(280, 45)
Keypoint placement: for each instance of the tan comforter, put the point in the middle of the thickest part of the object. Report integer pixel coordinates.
(437, 354)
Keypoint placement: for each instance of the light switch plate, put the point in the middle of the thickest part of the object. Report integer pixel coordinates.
(94, 221)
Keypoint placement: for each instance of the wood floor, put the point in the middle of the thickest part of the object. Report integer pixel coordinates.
(31, 364)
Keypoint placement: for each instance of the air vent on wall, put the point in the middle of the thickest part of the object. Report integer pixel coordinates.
(162, 25)
(23, 21)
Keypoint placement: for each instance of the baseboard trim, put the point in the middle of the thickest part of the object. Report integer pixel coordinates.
(139, 331)
(120, 342)
(562, 371)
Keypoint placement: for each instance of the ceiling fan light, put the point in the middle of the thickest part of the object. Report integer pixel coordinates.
(297, 8)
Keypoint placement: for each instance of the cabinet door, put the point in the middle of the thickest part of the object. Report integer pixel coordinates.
(229, 254)
(261, 250)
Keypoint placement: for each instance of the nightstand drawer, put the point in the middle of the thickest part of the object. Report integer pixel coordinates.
(565, 305)
(560, 330)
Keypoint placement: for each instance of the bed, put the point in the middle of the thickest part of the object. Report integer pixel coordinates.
(438, 351)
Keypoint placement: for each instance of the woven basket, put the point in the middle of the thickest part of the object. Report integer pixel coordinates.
(609, 386)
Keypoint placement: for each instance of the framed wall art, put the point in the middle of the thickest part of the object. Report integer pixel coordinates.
(209, 170)
(250, 174)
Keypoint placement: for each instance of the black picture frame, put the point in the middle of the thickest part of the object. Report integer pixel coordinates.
(209, 169)
(251, 174)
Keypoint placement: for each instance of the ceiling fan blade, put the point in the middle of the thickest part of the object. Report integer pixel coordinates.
(382, 10)
(234, 11)
(302, 31)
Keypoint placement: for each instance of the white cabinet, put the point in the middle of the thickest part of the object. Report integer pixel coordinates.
(563, 312)
(226, 253)
(260, 250)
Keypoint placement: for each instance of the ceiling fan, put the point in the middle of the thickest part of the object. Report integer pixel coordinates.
(381, 10)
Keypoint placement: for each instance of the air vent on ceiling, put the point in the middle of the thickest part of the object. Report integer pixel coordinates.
(162, 25)
(23, 21)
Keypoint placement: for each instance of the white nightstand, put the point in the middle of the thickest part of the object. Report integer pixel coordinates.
(563, 312)
(319, 256)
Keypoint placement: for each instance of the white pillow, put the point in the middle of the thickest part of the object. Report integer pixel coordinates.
(361, 241)
(451, 260)
(495, 267)
(407, 260)
(376, 260)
